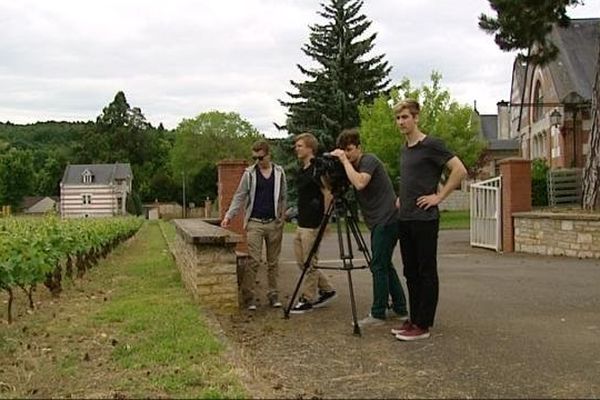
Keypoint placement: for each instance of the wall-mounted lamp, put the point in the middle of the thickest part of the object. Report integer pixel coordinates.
(555, 117)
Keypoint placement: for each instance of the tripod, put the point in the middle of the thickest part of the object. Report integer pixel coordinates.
(347, 228)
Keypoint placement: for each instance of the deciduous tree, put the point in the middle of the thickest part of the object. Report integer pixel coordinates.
(16, 176)
(203, 141)
(440, 116)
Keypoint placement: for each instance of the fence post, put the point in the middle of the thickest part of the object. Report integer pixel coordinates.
(230, 174)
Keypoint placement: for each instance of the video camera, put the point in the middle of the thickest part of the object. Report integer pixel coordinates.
(332, 170)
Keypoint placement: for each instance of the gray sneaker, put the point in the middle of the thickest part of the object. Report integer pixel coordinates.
(274, 301)
(369, 320)
(391, 314)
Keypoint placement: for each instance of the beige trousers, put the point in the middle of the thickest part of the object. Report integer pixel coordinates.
(257, 233)
(313, 279)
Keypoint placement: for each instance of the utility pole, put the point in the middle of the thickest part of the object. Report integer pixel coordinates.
(183, 209)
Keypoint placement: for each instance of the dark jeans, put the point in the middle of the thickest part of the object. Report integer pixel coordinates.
(386, 283)
(418, 244)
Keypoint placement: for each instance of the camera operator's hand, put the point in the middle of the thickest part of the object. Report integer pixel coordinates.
(340, 154)
(358, 179)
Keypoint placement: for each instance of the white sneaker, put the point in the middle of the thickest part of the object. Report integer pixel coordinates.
(369, 320)
(302, 307)
(252, 307)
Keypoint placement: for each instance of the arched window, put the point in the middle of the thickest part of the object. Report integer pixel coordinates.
(538, 101)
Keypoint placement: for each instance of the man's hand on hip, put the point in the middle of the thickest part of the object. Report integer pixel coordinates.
(432, 200)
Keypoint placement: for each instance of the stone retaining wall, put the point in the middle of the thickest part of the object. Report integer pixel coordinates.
(564, 234)
(458, 200)
(205, 255)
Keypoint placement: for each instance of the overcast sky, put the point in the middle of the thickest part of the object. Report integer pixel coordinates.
(65, 60)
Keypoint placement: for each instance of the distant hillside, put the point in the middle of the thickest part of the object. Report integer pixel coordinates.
(44, 135)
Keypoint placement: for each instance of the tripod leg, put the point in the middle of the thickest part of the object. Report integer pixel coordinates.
(286, 311)
(362, 245)
(353, 305)
(352, 227)
(347, 256)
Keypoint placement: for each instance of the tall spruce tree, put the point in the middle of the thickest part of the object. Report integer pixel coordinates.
(343, 78)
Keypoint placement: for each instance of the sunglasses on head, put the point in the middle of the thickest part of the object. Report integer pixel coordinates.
(259, 158)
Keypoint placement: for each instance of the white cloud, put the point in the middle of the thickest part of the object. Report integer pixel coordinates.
(66, 59)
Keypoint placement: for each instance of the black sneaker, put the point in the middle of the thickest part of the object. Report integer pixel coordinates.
(324, 298)
(301, 307)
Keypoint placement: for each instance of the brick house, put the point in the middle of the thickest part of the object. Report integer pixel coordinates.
(563, 87)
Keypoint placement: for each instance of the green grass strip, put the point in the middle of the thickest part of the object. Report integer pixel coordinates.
(161, 331)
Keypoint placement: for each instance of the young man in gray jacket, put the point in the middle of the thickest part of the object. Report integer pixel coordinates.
(263, 193)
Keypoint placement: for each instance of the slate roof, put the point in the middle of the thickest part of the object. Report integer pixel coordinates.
(104, 174)
(30, 201)
(574, 69)
(489, 131)
(489, 126)
(504, 144)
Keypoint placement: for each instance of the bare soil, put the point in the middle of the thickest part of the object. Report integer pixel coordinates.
(507, 326)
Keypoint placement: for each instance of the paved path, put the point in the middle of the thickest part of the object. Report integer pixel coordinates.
(508, 325)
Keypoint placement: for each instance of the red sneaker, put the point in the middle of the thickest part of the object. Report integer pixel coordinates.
(406, 326)
(416, 333)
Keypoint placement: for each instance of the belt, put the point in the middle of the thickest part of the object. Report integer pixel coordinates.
(262, 220)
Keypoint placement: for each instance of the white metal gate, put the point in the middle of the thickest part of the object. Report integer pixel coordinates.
(486, 212)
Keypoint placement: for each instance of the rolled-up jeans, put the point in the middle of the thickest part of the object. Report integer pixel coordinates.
(386, 283)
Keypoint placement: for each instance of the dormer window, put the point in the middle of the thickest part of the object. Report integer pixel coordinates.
(87, 176)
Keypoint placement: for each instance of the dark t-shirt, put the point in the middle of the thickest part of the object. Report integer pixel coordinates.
(421, 168)
(310, 198)
(377, 200)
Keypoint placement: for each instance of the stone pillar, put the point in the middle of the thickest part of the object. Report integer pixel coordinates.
(230, 174)
(516, 195)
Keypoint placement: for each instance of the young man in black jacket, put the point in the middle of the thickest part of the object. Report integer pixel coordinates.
(313, 200)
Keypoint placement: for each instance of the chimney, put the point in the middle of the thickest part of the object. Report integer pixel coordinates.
(503, 120)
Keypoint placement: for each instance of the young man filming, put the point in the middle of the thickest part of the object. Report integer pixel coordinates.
(376, 198)
(313, 200)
